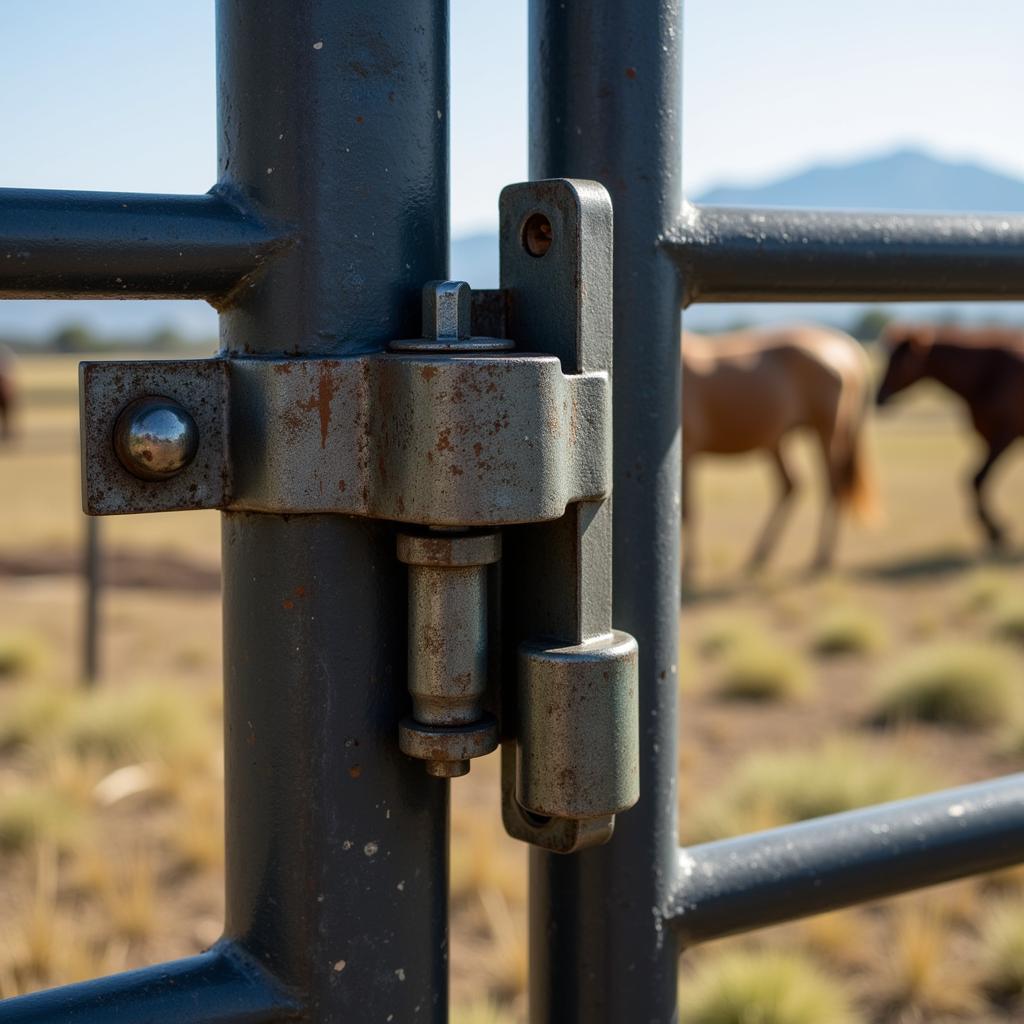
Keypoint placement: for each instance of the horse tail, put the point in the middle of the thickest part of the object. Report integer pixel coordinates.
(857, 482)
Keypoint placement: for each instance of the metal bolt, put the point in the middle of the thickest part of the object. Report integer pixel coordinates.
(447, 307)
(447, 323)
(155, 438)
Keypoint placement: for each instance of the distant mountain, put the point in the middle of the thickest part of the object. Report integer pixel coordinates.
(908, 179)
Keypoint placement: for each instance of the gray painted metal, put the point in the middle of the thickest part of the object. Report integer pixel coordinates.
(752, 881)
(336, 841)
(577, 728)
(556, 252)
(434, 439)
(106, 389)
(732, 254)
(63, 245)
(221, 986)
(605, 104)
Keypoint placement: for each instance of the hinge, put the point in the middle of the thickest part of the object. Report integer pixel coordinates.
(456, 435)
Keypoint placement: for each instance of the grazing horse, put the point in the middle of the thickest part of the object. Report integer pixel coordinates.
(985, 367)
(6, 393)
(746, 390)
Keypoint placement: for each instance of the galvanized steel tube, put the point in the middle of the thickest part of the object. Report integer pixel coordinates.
(735, 885)
(733, 254)
(68, 245)
(333, 119)
(605, 97)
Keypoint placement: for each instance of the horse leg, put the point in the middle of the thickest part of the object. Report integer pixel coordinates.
(772, 527)
(830, 512)
(992, 529)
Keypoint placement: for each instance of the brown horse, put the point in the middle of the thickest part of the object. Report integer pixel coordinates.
(7, 393)
(985, 367)
(746, 390)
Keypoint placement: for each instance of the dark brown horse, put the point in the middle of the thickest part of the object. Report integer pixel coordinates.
(7, 394)
(985, 367)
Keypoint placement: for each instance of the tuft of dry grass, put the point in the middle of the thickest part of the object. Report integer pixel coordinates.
(964, 684)
(762, 986)
(198, 835)
(139, 723)
(771, 789)
(847, 629)
(918, 977)
(130, 896)
(483, 857)
(34, 714)
(21, 654)
(1008, 619)
(481, 1012)
(1002, 938)
(36, 814)
(759, 668)
(984, 590)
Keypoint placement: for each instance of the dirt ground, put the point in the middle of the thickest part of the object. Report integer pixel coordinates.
(139, 879)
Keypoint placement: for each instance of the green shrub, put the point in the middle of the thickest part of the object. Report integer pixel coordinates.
(846, 629)
(759, 668)
(771, 789)
(763, 987)
(963, 684)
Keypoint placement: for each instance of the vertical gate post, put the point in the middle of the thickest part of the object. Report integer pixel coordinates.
(333, 121)
(605, 104)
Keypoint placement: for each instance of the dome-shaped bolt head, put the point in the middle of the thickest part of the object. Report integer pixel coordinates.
(155, 438)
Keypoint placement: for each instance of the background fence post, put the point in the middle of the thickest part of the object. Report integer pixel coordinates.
(92, 572)
(333, 120)
(605, 94)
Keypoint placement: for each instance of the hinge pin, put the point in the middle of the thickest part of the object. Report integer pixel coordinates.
(448, 652)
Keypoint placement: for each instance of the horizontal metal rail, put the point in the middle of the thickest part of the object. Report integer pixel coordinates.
(733, 254)
(221, 986)
(100, 245)
(736, 885)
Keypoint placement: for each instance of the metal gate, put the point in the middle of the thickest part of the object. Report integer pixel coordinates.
(329, 216)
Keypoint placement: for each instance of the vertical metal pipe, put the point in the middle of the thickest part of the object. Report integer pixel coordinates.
(333, 120)
(605, 96)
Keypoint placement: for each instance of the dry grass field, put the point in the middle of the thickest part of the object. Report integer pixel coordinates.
(901, 671)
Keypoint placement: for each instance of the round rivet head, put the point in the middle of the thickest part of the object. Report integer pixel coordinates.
(155, 438)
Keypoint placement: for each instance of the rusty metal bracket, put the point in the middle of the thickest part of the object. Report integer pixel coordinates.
(435, 439)
(455, 432)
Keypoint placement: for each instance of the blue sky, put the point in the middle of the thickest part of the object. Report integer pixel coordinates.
(119, 94)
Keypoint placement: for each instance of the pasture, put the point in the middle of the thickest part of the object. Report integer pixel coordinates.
(900, 671)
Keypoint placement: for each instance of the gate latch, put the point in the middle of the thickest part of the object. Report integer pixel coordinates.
(489, 440)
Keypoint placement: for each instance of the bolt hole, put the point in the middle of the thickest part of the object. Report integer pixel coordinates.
(537, 234)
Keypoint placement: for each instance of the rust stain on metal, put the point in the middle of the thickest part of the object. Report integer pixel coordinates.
(321, 401)
(631, 74)
(428, 372)
(355, 771)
